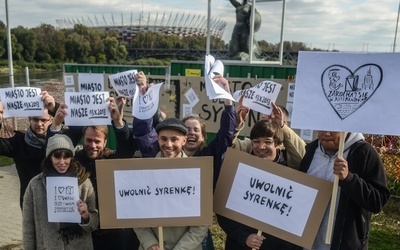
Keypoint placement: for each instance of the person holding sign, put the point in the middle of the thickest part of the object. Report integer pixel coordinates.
(94, 148)
(362, 191)
(172, 138)
(292, 147)
(28, 148)
(197, 133)
(266, 139)
(38, 232)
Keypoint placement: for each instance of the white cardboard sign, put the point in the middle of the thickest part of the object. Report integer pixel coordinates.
(178, 190)
(351, 92)
(87, 108)
(21, 101)
(62, 199)
(88, 82)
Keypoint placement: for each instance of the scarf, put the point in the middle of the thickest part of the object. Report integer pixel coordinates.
(32, 140)
(69, 231)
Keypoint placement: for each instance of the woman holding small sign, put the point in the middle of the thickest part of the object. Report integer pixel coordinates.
(39, 206)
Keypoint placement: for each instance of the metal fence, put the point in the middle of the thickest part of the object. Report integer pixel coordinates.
(35, 78)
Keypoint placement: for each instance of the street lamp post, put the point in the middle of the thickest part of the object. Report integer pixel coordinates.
(9, 48)
(10, 61)
(395, 33)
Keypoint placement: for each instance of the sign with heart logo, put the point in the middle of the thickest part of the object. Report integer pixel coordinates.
(347, 90)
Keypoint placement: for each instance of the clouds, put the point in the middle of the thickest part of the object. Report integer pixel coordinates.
(346, 24)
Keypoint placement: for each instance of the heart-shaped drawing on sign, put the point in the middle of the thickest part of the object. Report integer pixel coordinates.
(347, 91)
(60, 190)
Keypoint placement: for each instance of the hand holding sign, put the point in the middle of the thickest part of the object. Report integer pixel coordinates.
(21, 101)
(260, 97)
(146, 105)
(83, 210)
(212, 69)
(124, 83)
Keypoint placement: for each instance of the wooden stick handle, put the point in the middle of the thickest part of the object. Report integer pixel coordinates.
(334, 195)
(258, 234)
(161, 238)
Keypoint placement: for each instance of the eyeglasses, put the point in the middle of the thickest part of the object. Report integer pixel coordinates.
(257, 143)
(40, 120)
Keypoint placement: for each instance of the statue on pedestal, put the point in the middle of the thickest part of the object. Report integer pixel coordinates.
(239, 44)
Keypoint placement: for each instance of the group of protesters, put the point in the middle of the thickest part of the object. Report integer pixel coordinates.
(48, 149)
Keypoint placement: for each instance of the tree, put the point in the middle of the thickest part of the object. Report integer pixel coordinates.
(110, 48)
(77, 48)
(50, 44)
(27, 41)
(3, 43)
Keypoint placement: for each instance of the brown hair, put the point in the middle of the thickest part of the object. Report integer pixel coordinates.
(98, 128)
(264, 128)
(202, 125)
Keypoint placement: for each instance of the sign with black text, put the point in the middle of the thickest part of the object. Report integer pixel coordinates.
(273, 198)
(87, 108)
(155, 192)
(21, 101)
(62, 199)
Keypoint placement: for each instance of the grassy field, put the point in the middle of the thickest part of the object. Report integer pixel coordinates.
(5, 161)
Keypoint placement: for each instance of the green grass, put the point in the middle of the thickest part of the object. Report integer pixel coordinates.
(5, 161)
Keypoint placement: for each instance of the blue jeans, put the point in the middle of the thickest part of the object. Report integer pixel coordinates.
(207, 243)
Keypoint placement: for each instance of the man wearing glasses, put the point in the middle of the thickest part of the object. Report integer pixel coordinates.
(28, 148)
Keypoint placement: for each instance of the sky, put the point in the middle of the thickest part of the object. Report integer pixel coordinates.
(344, 25)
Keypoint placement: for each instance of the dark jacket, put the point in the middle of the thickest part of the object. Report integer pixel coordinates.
(223, 139)
(27, 158)
(363, 192)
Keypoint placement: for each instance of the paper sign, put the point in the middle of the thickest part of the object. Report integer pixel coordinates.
(187, 110)
(145, 190)
(306, 134)
(21, 101)
(62, 199)
(340, 92)
(155, 192)
(70, 89)
(69, 80)
(124, 83)
(273, 198)
(145, 106)
(87, 108)
(259, 97)
(289, 108)
(88, 82)
(193, 72)
(192, 97)
(214, 90)
(290, 93)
